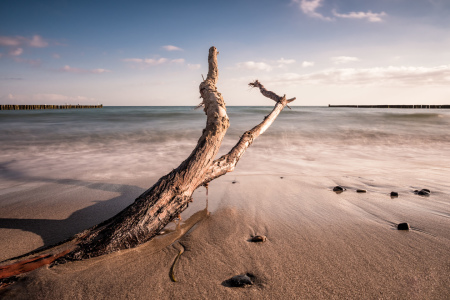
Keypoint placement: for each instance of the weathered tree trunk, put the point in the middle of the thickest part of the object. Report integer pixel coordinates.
(165, 200)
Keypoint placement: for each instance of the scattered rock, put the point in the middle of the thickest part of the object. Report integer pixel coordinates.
(281, 177)
(403, 226)
(258, 239)
(361, 191)
(234, 181)
(423, 192)
(394, 195)
(338, 189)
(241, 280)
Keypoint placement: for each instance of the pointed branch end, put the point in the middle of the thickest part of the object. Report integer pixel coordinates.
(256, 83)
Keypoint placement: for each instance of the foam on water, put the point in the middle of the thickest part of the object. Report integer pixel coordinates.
(118, 142)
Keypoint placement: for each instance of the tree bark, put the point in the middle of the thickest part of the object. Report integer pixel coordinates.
(168, 197)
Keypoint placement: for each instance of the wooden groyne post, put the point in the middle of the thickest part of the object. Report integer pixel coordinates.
(414, 106)
(45, 106)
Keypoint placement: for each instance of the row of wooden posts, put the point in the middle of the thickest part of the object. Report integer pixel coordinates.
(45, 106)
(425, 106)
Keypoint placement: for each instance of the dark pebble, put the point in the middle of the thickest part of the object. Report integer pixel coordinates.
(361, 191)
(242, 280)
(281, 177)
(338, 189)
(258, 239)
(394, 194)
(423, 192)
(403, 226)
(233, 182)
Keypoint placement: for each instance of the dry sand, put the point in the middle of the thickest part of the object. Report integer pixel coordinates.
(321, 245)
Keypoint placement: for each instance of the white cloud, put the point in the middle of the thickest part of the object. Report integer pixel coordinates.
(283, 61)
(194, 66)
(154, 62)
(171, 48)
(251, 65)
(309, 8)
(306, 64)
(142, 63)
(178, 61)
(99, 71)
(10, 41)
(379, 76)
(70, 69)
(338, 60)
(16, 52)
(36, 41)
(370, 16)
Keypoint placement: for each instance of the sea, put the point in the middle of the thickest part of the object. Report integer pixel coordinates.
(115, 143)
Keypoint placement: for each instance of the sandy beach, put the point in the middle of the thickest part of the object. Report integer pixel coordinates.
(320, 245)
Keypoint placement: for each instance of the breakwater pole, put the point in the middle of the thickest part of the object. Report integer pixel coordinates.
(414, 106)
(45, 106)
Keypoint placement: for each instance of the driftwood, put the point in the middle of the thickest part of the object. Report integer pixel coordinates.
(168, 197)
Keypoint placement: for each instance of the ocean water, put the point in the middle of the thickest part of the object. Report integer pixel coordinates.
(117, 143)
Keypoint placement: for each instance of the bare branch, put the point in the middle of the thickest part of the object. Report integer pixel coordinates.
(227, 162)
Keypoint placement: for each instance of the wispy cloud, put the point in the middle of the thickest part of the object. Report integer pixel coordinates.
(177, 61)
(265, 66)
(150, 62)
(309, 8)
(69, 69)
(338, 60)
(14, 41)
(171, 48)
(194, 66)
(369, 16)
(16, 52)
(307, 64)
(379, 76)
(284, 62)
(252, 65)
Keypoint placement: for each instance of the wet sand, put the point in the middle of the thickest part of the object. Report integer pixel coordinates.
(320, 245)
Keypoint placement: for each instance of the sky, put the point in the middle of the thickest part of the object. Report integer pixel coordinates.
(154, 52)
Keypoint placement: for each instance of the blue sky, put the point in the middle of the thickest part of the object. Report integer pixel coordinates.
(154, 52)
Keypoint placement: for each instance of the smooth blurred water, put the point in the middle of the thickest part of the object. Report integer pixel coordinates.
(124, 142)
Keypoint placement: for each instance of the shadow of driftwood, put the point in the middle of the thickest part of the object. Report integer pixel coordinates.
(53, 231)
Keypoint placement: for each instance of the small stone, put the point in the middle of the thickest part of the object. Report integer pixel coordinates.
(281, 177)
(338, 189)
(242, 280)
(403, 226)
(394, 194)
(361, 191)
(423, 192)
(258, 239)
(233, 182)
